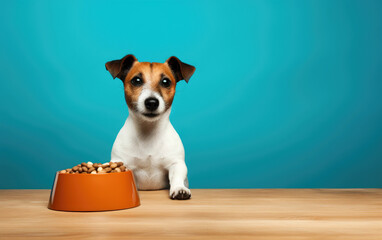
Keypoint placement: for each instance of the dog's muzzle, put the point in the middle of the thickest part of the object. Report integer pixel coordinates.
(151, 104)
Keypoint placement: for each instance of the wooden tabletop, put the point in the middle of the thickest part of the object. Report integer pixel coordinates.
(210, 214)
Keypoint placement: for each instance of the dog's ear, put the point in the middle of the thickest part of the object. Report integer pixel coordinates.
(180, 69)
(120, 68)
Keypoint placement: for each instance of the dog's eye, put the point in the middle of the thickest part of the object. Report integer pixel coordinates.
(136, 81)
(165, 82)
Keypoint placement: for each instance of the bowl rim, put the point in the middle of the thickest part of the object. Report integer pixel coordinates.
(97, 174)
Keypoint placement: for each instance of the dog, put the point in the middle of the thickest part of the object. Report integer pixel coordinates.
(147, 143)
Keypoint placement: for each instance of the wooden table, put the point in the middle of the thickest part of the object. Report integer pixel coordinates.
(210, 214)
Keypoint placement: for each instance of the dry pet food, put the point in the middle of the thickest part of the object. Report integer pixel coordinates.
(96, 168)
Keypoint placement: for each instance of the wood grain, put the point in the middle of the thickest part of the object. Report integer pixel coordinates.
(210, 214)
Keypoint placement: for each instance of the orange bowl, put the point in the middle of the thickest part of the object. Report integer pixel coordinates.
(94, 192)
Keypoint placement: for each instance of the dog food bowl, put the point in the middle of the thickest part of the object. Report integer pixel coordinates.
(93, 192)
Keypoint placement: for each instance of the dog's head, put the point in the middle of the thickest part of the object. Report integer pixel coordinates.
(149, 87)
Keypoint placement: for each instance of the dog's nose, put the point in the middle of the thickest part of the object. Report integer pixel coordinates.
(151, 104)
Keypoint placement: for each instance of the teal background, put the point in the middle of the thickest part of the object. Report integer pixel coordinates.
(286, 93)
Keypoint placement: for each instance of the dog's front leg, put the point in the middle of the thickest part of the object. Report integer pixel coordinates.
(177, 174)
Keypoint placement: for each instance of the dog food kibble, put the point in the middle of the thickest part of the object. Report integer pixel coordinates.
(96, 168)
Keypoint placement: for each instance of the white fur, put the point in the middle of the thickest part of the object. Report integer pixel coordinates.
(152, 149)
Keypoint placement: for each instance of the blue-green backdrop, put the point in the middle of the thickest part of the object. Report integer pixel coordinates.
(286, 93)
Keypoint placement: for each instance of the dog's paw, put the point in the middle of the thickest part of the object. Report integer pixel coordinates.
(180, 193)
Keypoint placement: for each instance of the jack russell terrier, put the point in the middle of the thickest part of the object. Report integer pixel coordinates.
(147, 143)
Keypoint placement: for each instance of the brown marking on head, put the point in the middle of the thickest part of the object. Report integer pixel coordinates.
(139, 70)
(161, 71)
(154, 76)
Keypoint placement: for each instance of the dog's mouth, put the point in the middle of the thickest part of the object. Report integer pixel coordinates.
(150, 115)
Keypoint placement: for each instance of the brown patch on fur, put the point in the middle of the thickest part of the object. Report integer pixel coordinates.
(152, 73)
(160, 71)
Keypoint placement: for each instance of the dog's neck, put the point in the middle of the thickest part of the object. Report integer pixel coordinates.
(146, 128)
